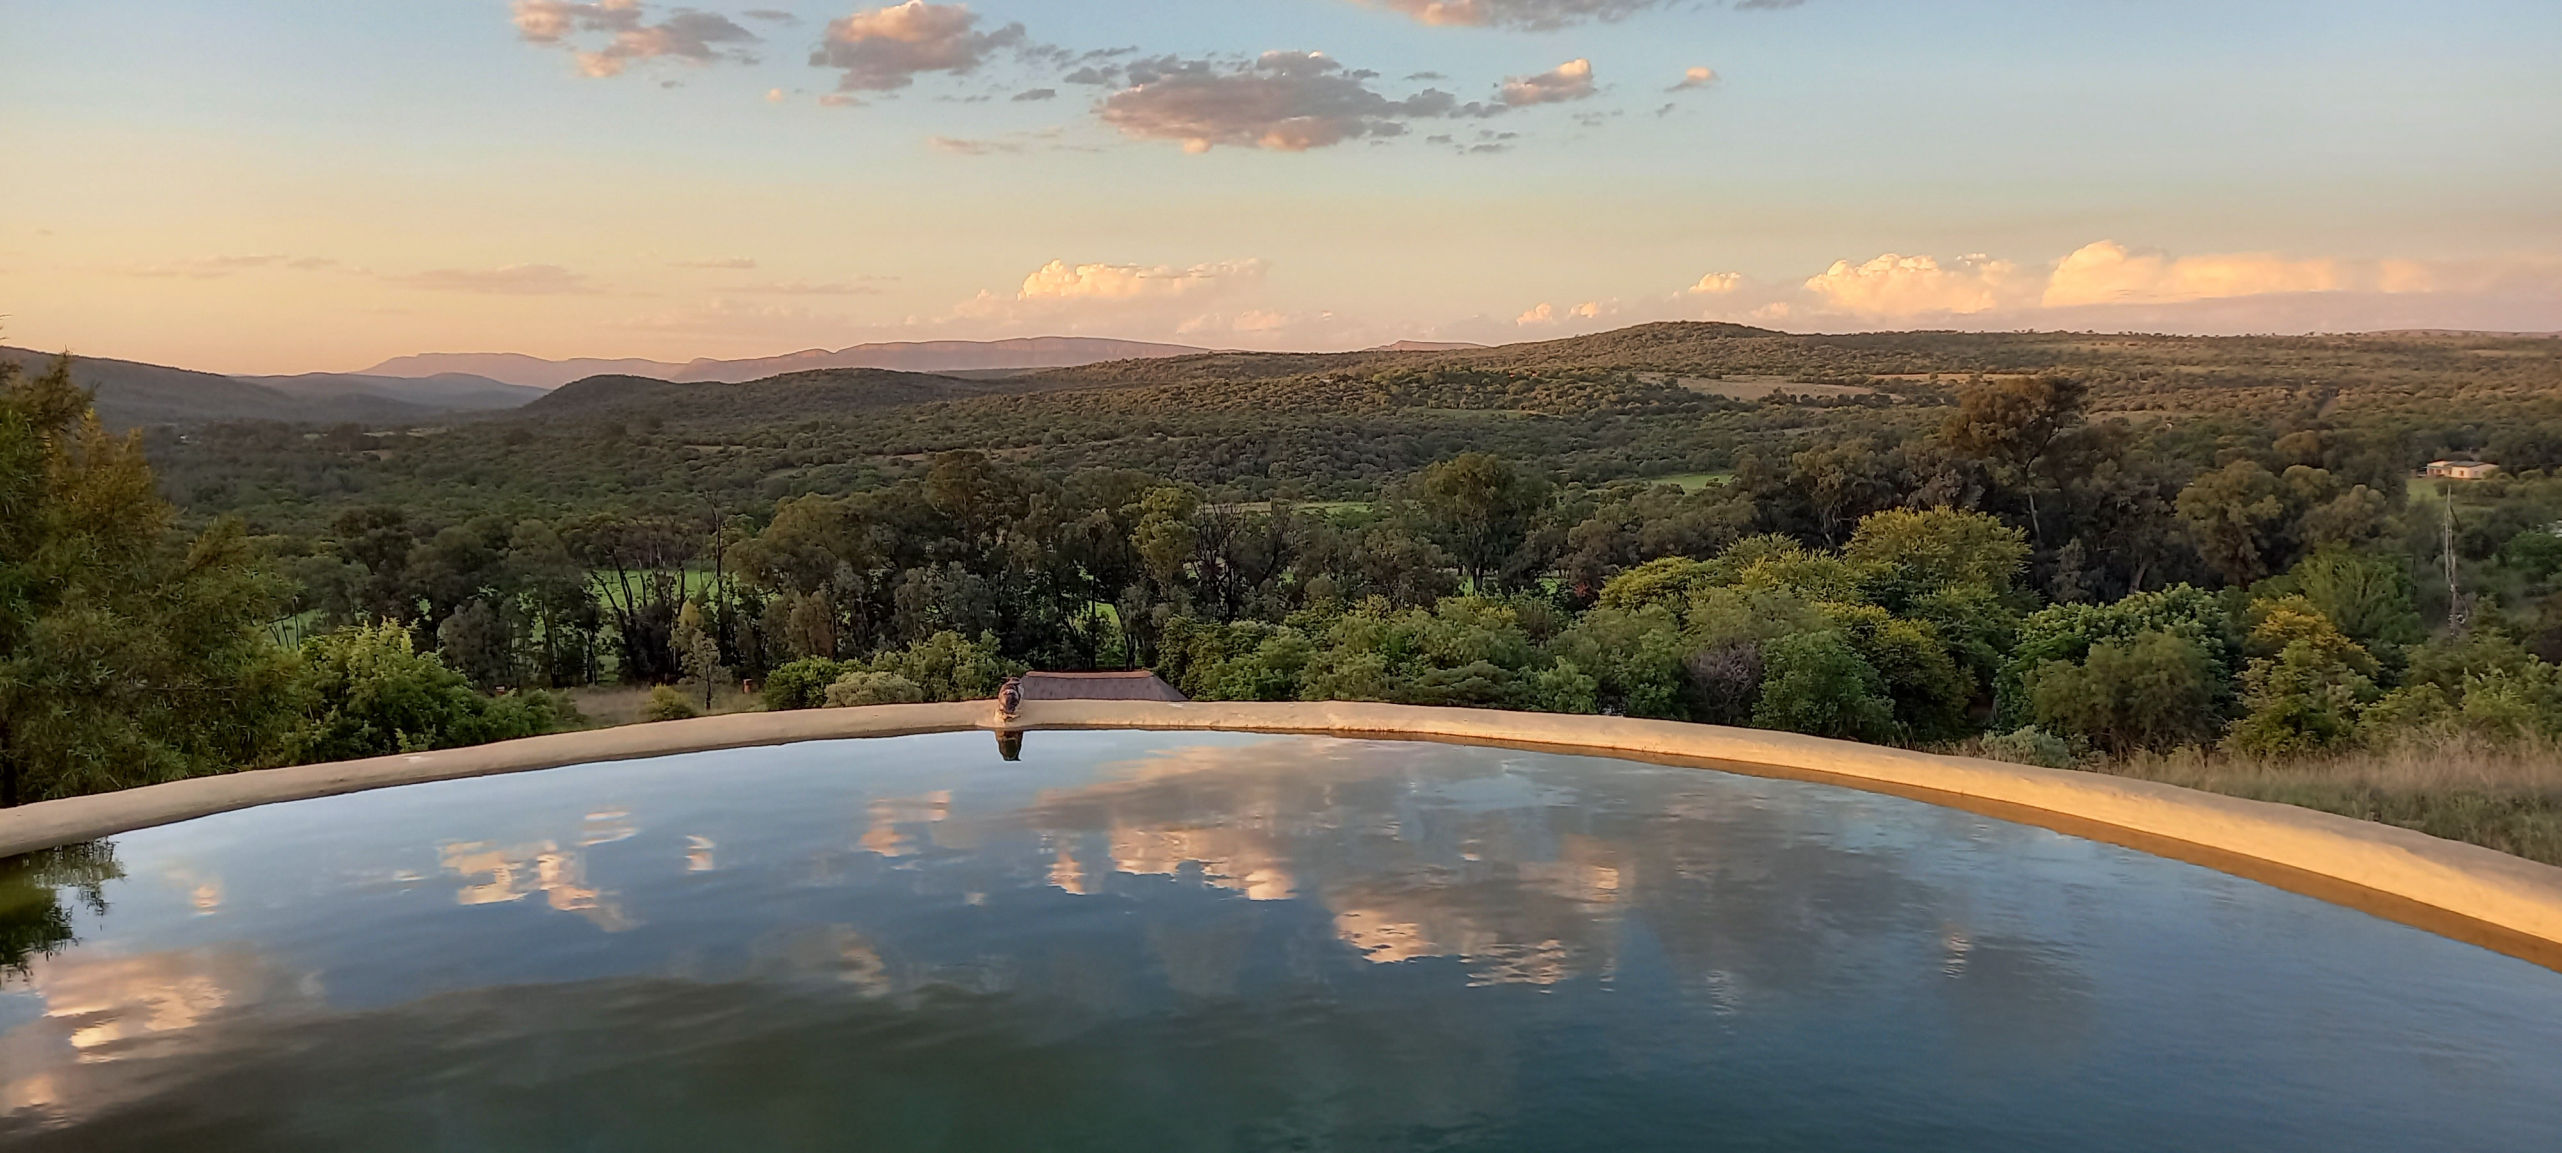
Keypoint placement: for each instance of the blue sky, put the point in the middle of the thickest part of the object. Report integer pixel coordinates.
(264, 185)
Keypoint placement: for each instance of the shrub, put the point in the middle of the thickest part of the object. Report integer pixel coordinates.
(667, 704)
(802, 684)
(2068, 633)
(373, 694)
(869, 688)
(950, 667)
(2305, 696)
(2029, 745)
(1816, 683)
(2152, 691)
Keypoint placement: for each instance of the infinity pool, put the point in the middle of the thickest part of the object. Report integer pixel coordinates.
(1162, 942)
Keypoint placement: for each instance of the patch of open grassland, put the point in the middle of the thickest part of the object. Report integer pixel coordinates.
(611, 706)
(2505, 796)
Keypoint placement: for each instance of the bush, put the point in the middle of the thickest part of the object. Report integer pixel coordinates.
(667, 704)
(859, 688)
(1816, 683)
(2068, 633)
(802, 684)
(2153, 691)
(2307, 695)
(373, 694)
(2029, 745)
(950, 667)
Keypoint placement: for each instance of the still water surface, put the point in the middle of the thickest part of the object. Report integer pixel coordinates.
(1171, 942)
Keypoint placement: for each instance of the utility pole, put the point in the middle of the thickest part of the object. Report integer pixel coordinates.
(2459, 610)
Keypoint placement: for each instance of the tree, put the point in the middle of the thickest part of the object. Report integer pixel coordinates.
(2234, 516)
(2151, 691)
(128, 654)
(372, 694)
(2305, 692)
(2368, 597)
(1481, 509)
(698, 652)
(1817, 683)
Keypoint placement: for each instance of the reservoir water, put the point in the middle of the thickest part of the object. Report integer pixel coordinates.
(1166, 942)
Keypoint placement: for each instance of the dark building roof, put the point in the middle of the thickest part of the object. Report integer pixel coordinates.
(1138, 686)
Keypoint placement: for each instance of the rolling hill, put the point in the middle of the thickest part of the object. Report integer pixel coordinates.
(938, 356)
(448, 392)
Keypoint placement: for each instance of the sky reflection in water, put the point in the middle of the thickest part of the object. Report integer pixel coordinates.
(1179, 942)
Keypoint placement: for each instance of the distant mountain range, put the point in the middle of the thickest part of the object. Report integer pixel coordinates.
(933, 356)
(132, 394)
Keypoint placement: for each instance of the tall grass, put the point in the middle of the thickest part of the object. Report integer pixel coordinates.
(2505, 795)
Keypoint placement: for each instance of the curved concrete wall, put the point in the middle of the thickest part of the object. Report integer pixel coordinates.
(2464, 891)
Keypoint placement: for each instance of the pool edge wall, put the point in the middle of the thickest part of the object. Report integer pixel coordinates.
(2458, 890)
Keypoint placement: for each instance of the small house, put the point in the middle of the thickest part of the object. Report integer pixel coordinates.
(2462, 469)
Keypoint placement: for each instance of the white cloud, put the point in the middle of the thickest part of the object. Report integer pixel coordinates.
(689, 36)
(1282, 101)
(1894, 286)
(1571, 80)
(1695, 78)
(1716, 284)
(885, 49)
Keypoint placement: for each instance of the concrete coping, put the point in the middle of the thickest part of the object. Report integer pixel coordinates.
(2467, 892)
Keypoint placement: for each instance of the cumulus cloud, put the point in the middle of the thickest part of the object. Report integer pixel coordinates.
(1902, 286)
(1283, 101)
(885, 49)
(1571, 80)
(512, 280)
(1060, 281)
(2110, 273)
(1716, 284)
(1695, 78)
(1526, 15)
(687, 35)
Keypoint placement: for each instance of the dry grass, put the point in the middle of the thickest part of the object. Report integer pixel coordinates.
(613, 706)
(2502, 796)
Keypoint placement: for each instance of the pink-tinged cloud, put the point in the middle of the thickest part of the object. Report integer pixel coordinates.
(688, 36)
(2110, 273)
(886, 49)
(1060, 281)
(1716, 284)
(1282, 101)
(1525, 15)
(1894, 286)
(1569, 81)
(1694, 78)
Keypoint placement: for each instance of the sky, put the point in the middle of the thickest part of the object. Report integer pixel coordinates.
(271, 186)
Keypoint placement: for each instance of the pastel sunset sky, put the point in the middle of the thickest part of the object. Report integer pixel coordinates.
(293, 185)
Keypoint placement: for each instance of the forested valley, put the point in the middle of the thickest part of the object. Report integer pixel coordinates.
(2204, 560)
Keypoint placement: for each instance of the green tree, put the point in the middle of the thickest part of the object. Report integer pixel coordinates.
(2367, 597)
(2305, 691)
(2151, 691)
(1482, 509)
(372, 694)
(128, 653)
(1940, 547)
(1817, 683)
(698, 652)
